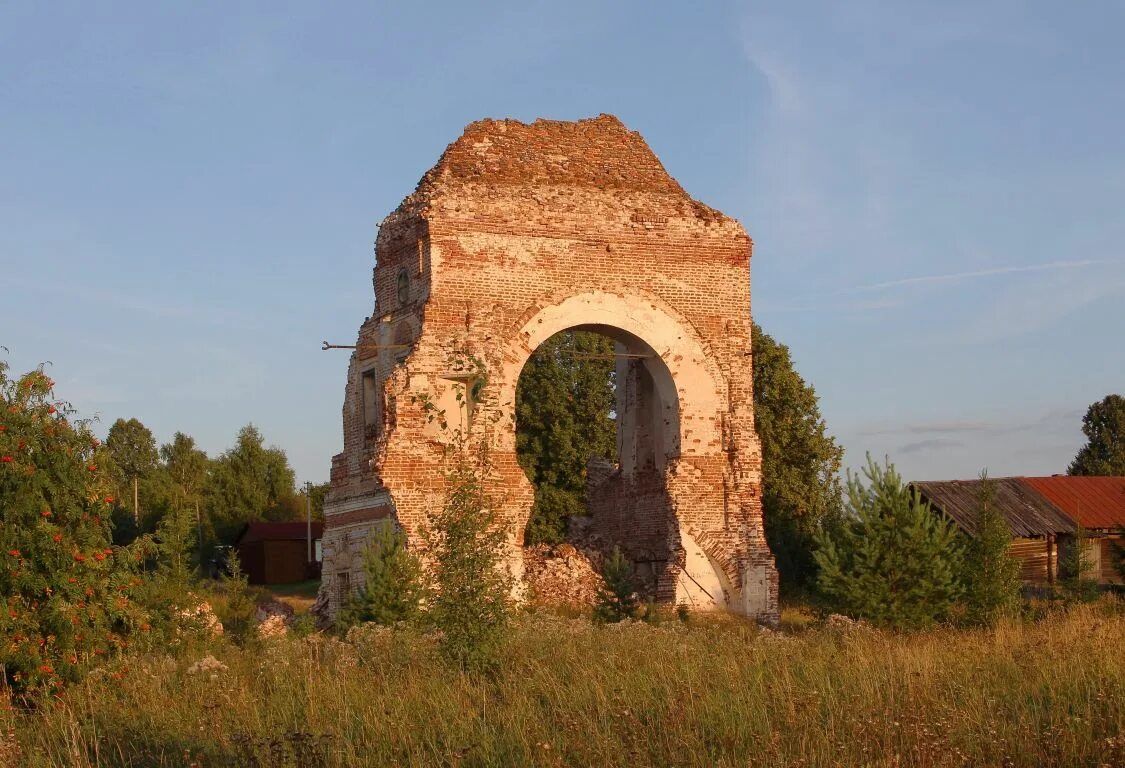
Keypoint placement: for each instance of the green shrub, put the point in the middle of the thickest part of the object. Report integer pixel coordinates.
(66, 592)
(894, 562)
(169, 591)
(617, 596)
(302, 625)
(392, 588)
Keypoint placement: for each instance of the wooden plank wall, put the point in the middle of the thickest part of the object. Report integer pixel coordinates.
(1108, 560)
(1032, 554)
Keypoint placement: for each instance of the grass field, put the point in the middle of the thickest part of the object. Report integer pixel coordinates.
(301, 596)
(709, 693)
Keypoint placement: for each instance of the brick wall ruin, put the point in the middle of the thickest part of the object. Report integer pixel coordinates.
(520, 232)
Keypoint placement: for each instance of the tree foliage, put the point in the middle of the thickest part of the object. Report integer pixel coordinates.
(392, 588)
(187, 468)
(992, 575)
(1104, 427)
(318, 492)
(800, 461)
(133, 449)
(176, 489)
(564, 412)
(66, 592)
(250, 482)
(472, 589)
(891, 561)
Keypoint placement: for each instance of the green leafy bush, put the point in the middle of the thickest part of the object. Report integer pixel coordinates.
(893, 562)
(67, 592)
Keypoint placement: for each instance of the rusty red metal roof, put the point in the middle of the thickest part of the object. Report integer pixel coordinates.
(1094, 502)
(1029, 513)
(264, 531)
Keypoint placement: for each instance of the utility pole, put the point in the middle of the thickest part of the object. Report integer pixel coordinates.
(308, 519)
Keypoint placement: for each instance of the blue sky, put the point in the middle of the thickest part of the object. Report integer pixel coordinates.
(189, 194)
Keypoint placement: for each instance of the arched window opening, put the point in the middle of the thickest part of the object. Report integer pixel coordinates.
(403, 287)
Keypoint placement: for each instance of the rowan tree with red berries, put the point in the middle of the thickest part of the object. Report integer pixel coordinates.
(66, 600)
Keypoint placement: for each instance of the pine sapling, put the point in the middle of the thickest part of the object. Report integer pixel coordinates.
(992, 575)
(894, 562)
(471, 605)
(1076, 568)
(617, 597)
(392, 587)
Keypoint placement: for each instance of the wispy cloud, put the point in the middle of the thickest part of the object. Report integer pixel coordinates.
(931, 427)
(1052, 421)
(949, 426)
(929, 445)
(978, 273)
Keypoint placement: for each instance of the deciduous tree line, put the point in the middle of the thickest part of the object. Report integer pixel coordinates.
(250, 481)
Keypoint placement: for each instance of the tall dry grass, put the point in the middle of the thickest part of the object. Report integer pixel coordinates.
(713, 693)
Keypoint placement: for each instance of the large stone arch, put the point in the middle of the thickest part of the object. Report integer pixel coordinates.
(520, 232)
(699, 388)
(688, 385)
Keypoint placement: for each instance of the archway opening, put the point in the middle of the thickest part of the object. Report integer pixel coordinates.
(597, 425)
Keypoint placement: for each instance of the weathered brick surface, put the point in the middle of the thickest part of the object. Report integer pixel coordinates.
(522, 231)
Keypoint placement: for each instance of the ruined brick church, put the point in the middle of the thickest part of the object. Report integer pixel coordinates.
(521, 231)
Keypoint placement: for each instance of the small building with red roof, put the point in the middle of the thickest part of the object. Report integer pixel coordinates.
(1045, 515)
(280, 553)
(1097, 504)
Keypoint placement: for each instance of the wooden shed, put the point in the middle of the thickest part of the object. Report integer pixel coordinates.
(1098, 505)
(1037, 525)
(278, 553)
